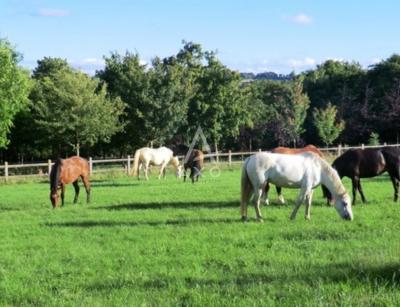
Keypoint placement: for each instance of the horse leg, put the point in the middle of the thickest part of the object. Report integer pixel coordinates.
(266, 193)
(146, 169)
(162, 170)
(86, 184)
(62, 194)
(354, 187)
(139, 169)
(299, 201)
(192, 173)
(184, 174)
(361, 190)
(198, 174)
(76, 187)
(308, 205)
(280, 196)
(395, 182)
(243, 211)
(257, 200)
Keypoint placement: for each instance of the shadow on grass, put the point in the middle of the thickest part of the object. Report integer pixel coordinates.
(113, 184)
(176, 222)
(176, 204)
(9, 209)
(385, 276)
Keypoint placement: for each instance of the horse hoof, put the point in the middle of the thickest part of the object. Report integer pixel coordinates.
(244, 219)
(308, 218)
(260, 220)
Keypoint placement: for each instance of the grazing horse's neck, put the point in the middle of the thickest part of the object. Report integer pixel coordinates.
(55, 175)
(331, 180)
(174, 162)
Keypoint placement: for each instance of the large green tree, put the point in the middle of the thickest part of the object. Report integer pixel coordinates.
(384, 98)
(282, 110)
(219, 104)
(344, 85)
(14, 89)
(153, 93)
(73, 109)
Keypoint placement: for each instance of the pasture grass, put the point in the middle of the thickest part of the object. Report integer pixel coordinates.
(169, 243)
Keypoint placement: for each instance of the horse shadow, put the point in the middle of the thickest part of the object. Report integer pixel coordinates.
(169, 222)
(113, 184)
(176, 205)
(6, 209)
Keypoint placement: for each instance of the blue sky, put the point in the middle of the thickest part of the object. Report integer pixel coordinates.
(250, 35)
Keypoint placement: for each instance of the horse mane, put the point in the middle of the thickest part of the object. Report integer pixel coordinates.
(55, 174)
(331, 172)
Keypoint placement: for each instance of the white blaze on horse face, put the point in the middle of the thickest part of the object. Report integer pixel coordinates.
(343, 207)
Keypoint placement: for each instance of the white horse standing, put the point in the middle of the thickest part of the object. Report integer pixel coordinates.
(304, 171)
(155, 156)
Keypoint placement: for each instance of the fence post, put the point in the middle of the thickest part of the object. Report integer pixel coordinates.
(128, 167)
(229, 158)
(259, 149)
(6, 170)
(90, 166)
(339, 150)
(48, 166)
(216, 155)
(362, 146)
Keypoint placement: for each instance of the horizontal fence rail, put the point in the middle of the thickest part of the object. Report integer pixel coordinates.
(43, 169)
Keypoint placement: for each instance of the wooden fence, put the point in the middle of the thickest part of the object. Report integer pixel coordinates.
(229, 158)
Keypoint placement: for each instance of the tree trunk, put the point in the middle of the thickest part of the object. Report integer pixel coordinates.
(77, 149)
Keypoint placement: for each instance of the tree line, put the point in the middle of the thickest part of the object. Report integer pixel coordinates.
(56, 110)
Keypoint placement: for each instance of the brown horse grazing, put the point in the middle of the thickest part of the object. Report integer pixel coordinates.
(294, 151)
(291, 151)
(66, 171)
(194, 161)
(367, 163)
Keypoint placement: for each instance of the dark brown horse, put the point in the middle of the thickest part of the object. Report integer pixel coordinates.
(195, 161)
(291, 151)
(66, 171)
(367, 163)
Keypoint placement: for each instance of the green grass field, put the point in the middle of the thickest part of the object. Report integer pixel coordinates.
(169, 243)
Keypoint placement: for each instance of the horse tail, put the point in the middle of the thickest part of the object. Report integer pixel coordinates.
(55, 175)
(246, 188)
(136, 163)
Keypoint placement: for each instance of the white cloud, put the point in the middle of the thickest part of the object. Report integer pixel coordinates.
(88, 65)
(91, 65)
(92, 61)
(334, 59)
(46, 12)
(301, 19)
(302, 63)
(375, 61)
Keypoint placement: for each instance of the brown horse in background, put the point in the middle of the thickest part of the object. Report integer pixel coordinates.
(295, 151)
(195, 161)
(66, 171)
(291, 151)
